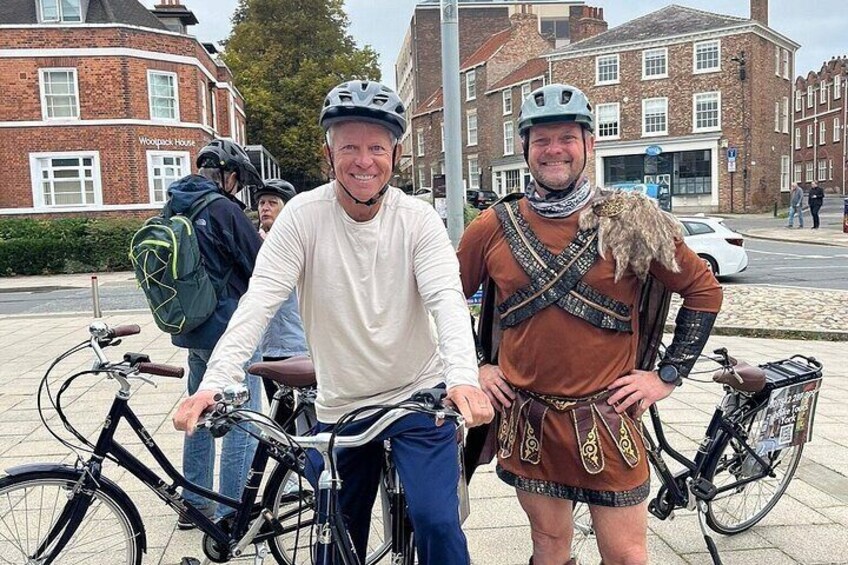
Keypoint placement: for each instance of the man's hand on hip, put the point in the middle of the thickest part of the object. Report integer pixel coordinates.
(637, 391)
(494, 384)
(472, 403)
(191, 408)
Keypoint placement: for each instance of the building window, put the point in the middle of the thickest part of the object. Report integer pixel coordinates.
(707, 56)
(509, 138)
(59, 94)
(204, 108)
(797, 100)
(786, 64)
(507, 102)
(473, 172)
(66, 179)
(837, 87)
(608, 120)
(163, 168)
(556, 29)
(777, 60)
(654, 63)
(606, 69)
(61, 11)
(471, 85)
(810, 96)
(809, 135)
(830, 169)
(695, 173)
(512, 180)
(419, 140)
(471, 126)
(164, 103)
(707, 111)
(836, 132)
(655, 116)
(822, 172)
(822, 132)
(822, 92)
(797, 138)
(809, 171)
(525, 91)
(442, 136)
(422, 177)
(797, 176)
(785, 115)
(784, 172)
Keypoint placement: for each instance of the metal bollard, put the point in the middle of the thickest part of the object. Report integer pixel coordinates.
(95, 297)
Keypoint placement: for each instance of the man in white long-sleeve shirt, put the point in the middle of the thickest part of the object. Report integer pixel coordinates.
(371, 265)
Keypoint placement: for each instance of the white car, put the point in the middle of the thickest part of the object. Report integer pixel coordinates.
(721, 248)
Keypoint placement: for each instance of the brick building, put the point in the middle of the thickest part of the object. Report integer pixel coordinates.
(679, 90)
(105, 103)
(821, 112)
(418, 67)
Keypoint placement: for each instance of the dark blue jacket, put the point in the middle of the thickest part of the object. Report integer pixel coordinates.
(228, 243)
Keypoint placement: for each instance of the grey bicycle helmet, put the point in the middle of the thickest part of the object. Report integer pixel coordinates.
(277, 187)
(364, 100)
(229, 157)
(555, 103)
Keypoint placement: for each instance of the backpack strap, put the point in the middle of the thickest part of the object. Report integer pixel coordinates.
(194, 210)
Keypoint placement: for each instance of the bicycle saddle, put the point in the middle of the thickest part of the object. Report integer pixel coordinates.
(296, 372)
(742, 377)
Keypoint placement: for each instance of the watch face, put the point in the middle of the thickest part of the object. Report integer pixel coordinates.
(668, 373)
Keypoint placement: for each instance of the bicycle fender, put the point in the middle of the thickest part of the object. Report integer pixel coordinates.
(106, 485)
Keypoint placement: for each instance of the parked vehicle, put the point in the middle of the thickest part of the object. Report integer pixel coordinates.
(481, 199)
(721, 248)
(659, 192)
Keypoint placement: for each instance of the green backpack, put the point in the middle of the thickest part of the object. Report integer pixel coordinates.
(169, 269)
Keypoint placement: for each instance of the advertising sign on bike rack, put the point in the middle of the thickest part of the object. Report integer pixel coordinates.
(789, 418)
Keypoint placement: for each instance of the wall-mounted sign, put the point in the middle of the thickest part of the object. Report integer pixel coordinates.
(653, 150)
(174, 142)
(731, 153)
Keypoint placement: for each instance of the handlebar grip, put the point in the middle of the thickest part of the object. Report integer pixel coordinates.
(161, 370)
(127, 329)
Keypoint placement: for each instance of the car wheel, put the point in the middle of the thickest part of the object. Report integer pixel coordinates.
(711, 264)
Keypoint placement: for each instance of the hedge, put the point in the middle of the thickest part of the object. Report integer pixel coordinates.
(67, 245)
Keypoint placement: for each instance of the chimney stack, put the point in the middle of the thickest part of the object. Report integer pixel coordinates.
(174, 15)
(585, 22)
(759, 11)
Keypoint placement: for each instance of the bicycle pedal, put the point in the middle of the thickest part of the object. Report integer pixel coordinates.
(703, 489)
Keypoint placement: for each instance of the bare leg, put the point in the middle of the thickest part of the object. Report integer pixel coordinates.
(622, 534)
(550, 527)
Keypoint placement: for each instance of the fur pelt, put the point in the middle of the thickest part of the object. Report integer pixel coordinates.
(634, 230)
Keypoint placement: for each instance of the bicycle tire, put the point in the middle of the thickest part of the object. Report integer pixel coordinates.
(31, 504)
(731, 513)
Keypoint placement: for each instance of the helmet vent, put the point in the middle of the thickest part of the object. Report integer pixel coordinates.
(539, 99)
(566, 97)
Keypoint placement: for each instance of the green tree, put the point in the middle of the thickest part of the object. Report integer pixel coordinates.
(286, 55)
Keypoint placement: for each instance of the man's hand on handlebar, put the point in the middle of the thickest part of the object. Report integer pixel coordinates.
(192, 408)
(472, 403)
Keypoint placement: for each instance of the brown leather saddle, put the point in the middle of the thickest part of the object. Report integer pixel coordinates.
(295, 372)
(741, 376)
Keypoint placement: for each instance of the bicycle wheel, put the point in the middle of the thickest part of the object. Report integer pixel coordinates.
(584, 547)
(31, 507)
(740, 508)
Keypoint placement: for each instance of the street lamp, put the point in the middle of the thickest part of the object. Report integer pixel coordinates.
(740, 60)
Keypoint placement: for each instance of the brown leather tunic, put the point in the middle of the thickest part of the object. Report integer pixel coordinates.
(556, 353)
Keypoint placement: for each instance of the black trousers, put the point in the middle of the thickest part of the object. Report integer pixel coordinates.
(814, 211)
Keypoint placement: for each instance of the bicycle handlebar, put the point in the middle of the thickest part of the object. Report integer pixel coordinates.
(161, 369)
(124, 330)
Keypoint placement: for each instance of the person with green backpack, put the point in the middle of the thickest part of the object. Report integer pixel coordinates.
(193, 263)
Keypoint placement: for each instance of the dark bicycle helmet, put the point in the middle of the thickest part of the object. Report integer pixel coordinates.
(556, 103)
(229, 157)
(277, 187)
(367, 101)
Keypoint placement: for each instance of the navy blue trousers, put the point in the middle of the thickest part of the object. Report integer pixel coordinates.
(426, 457)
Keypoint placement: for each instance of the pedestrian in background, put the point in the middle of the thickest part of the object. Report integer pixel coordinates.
(796, 205)
(816, 198)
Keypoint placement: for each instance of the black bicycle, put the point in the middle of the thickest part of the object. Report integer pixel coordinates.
(749, 454)
(70, 514)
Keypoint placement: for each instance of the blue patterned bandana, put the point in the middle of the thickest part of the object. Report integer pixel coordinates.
(559, 204)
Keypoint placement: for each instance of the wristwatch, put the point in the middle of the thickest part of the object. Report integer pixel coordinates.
(669, 374)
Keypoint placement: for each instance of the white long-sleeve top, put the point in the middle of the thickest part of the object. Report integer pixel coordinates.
(365, 291)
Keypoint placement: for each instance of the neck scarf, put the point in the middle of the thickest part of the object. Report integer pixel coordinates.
(559, 204)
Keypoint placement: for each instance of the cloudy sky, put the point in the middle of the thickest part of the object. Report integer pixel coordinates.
(820, 26)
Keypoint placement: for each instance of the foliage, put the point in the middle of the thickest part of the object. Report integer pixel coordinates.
(286, 55)
(469, 213)
(67, 245)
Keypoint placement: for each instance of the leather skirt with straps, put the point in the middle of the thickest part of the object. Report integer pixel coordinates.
(575, 448)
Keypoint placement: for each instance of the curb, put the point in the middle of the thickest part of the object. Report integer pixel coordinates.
(774, 333)
(786, 240)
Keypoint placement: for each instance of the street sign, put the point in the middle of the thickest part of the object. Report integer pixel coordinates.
(731, 165)
(731, 153)
(653, 150)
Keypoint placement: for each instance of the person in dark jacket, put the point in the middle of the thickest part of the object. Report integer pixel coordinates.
(229, 245)
(816, 199)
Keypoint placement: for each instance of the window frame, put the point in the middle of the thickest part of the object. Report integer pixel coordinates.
(777, 117)
(176, 83)
(473, 177)
(468, 115)
(717, 96)
(600, 124)
(598, 62)
(645, 102)
(60, 15)
(797, 100)
(419, 140)
(42, 88)
(784, 173)
(185, 169)
(797, 138)
(471, 84)
(798, 170)
(506, 101)
(821, 170)
(811, 97)
(509, 147)
(529, 88)
(810, 135)
(695, 46)
(37, 178)
(777, 60)
(822, 92)
(645, 54)
(784, 115)
(442, 136)
(837, 87)
(808, 170)
(786, 64)
(836, 129)
(830, 169)
(822, 132)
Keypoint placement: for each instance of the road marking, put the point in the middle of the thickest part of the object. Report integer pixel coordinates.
(799, 256)
(817, 268)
